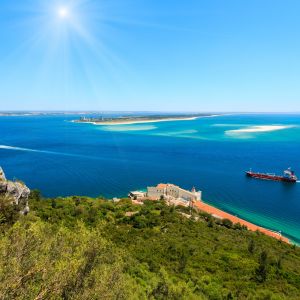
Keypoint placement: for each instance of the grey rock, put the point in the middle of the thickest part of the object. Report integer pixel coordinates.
(16, 191)
(3, 185)
(2, 175)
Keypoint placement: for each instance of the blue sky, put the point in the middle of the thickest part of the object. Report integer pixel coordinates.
(161, 55)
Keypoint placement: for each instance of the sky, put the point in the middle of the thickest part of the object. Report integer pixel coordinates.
(150, 55)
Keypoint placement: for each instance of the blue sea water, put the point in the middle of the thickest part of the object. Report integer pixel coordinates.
(62, 158)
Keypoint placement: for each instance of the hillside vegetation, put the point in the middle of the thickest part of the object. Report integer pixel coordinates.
(83, 248)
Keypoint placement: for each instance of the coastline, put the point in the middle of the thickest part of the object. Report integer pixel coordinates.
(139, 122)
(218, 213)
(130, 122)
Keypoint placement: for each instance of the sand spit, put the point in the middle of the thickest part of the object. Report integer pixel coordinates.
(261, 128)
(141, 121)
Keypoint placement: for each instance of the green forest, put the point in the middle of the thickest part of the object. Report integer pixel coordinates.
(84, 248)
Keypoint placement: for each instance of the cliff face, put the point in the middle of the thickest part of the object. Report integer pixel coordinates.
(16, 191)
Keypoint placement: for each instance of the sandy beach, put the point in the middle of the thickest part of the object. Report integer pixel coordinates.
(139, 121)
(223, 215)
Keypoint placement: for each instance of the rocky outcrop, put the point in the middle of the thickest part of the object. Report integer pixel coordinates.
(18, 192)
(2, 175)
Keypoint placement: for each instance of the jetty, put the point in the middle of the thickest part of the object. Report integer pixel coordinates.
(177, 196)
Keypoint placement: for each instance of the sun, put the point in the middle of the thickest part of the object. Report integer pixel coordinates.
(63, 12)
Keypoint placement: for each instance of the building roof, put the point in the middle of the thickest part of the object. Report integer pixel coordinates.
(162, 186)
(165, 185)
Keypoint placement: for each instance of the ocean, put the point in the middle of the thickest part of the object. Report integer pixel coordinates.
(63, 158)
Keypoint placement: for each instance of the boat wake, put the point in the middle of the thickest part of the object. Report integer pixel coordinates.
(5, 147)
(75, 155)
(23, 149)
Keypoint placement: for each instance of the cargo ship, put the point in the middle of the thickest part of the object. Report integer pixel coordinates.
(288, 176)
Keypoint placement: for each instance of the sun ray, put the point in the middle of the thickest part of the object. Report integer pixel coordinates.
(60, 30)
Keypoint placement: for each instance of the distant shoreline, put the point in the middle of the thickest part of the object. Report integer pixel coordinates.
(137, 122)
(141, 120)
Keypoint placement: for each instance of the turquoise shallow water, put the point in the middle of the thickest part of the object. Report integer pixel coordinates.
(64, 158)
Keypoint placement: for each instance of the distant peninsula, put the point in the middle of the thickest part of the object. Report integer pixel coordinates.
(140, 119)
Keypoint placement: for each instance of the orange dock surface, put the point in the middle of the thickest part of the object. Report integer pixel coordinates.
(221, 214)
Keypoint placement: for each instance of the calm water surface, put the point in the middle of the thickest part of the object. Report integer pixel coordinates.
(63, 158)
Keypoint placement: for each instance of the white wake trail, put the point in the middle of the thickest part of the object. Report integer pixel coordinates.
(20, 149)
(5, 147)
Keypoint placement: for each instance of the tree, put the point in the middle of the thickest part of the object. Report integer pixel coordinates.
(33, 264)
(251, 247)
(210, 223)
(35, 195)
(227, 223)
(53, 203)
(9, 212)
(262, 269)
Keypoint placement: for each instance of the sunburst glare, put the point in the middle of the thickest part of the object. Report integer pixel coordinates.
(76, 42)
(63, 12)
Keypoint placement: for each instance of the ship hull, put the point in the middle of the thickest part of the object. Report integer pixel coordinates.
(270, 177)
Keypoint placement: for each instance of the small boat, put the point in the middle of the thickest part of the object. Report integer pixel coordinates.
(288, 176)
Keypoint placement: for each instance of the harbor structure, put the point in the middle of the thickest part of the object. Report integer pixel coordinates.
(168, 190)
(137, 195)
(172, 194)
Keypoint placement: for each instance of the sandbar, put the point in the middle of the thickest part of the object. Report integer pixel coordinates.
(261, 128)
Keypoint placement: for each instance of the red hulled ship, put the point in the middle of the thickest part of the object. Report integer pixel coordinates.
(288, 176)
